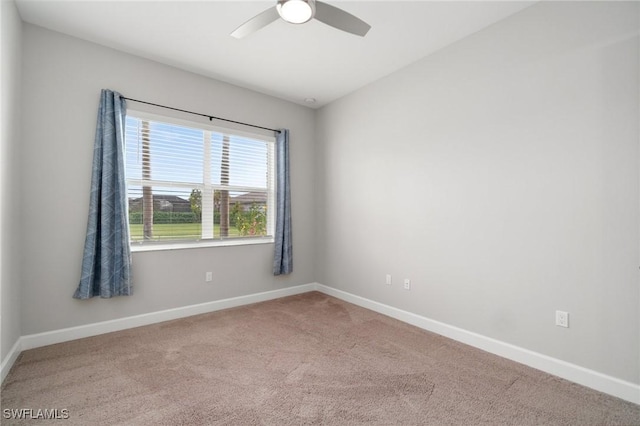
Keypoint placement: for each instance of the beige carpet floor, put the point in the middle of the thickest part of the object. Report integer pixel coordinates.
(307, 359)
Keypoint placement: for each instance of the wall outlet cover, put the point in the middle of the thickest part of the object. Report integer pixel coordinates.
(562, 319)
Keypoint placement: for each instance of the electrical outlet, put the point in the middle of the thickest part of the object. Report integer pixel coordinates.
(388, 279)
(407, 284)
(562, 319)
(208, 277)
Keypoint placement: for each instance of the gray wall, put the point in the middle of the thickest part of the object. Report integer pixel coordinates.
(61, 86)
(10, 193)
(501, 176)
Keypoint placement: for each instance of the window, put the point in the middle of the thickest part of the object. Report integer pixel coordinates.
(188, 182)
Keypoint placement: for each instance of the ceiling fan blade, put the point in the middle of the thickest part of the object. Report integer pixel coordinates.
(340, 19)
(259, 21)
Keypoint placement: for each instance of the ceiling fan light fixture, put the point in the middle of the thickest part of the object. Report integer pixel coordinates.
(296, 11)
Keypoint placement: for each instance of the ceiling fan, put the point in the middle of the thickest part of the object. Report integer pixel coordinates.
(301, 11)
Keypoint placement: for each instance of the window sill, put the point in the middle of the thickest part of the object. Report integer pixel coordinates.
(142, 247)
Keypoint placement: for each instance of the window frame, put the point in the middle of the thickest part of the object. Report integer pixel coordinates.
(208, 128)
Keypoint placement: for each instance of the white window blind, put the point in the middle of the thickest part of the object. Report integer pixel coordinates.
(190, 182)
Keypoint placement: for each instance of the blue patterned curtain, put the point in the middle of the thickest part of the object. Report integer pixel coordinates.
(106, 265)
(283, 259)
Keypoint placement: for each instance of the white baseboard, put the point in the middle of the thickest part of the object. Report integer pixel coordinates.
(58, 336)
(67, 334)
(8, 360)
(583, 376)
(593, 379)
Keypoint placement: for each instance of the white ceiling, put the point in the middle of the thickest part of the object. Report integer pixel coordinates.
(292, 62)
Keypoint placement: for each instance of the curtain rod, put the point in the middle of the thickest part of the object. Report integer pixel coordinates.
(210, 117)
